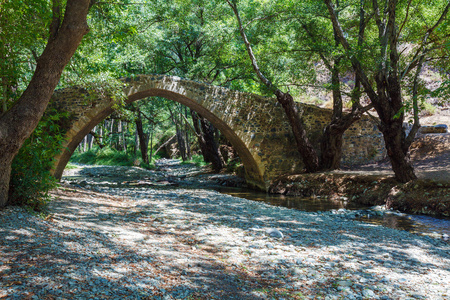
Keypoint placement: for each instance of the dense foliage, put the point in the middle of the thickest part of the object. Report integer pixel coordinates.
(31, 179)
(297, 44)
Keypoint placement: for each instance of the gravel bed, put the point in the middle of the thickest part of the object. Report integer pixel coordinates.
(150, 242)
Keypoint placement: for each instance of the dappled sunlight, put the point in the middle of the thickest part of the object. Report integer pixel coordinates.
(157, 240)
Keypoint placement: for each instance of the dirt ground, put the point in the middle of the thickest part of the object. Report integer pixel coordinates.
(374, 184)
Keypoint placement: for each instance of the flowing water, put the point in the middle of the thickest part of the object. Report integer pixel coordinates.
(425, 225)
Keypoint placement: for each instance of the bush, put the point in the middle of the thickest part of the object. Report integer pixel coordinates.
(88, 157)
(197, 160)
(30, 175)
(109, 157)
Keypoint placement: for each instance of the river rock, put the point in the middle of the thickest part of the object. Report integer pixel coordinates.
(368, 293)
(344, 283)
(275, 233)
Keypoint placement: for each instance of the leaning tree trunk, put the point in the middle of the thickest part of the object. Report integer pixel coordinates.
(306, 150)
(18, 123)
(308, 153)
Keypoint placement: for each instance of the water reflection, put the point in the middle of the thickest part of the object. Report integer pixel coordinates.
(300, 203)
(419, 224)
(413, 223)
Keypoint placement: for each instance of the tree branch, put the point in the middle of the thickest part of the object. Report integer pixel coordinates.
(416, 125)
(425, 39)
(354, 60)
(56, 18)
(260, 75)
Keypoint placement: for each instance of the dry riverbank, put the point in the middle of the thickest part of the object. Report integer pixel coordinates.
(121, 238)
(374, 184)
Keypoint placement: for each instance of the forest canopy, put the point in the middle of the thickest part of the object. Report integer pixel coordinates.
(356, 57)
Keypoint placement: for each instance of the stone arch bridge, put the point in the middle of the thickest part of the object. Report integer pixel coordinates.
(256, 126)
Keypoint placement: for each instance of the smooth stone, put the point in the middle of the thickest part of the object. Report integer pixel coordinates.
(344, 283)
(269, 245)
(275, 233)
(368, 293)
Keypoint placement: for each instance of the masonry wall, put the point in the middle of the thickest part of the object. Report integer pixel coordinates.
(255, 125)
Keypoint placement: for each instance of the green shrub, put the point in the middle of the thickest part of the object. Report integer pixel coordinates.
(88, 157)
(30, 175)
(110, 157)
(197, 160)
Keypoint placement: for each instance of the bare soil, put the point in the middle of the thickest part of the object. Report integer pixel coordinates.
(374, 184)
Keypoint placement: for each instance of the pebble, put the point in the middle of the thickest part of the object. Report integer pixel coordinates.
(149, 242)
(368, 293)
(344, 283)
(275, 233)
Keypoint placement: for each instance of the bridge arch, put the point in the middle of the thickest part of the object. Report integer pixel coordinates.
(255, 125)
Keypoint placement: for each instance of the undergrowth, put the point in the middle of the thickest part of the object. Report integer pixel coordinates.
(31, 179)
(110, 157)
(197, 160)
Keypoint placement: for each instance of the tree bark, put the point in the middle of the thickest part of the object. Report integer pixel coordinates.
(397, 151)
(180, 135)
(208, 144)
(387, 99)
(90, 140)
(186, 131)
(304, 147)
(18, 123)
(142, 139)
(332, 139)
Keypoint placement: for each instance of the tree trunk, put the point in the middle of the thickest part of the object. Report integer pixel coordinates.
(332, 139)
(142, 139)
(124, 136)
(208, 144)
(119, 136)
(5, 174)
(331, 148)
(181, 144)
(136, 142)
(100, 135)
(394, 139)
(186, 131)
(90, 140)
(308, 153)
(200, 136)
(18, 123)
(85, 144)
(333, 136)
(150, 140)
(179, 135)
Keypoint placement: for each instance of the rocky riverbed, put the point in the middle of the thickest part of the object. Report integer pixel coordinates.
(150, 235)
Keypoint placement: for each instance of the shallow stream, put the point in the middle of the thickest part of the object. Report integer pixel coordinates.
(420, 224)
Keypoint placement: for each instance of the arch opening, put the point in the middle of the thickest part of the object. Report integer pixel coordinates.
(96, 115)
